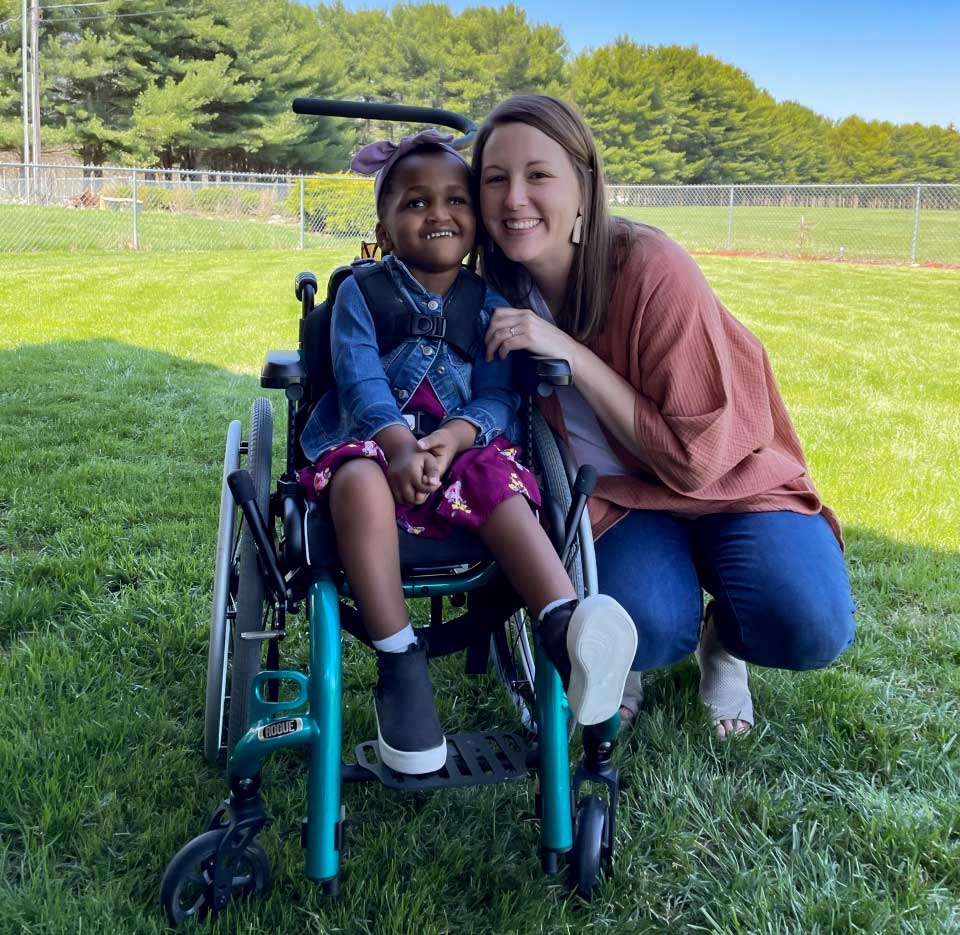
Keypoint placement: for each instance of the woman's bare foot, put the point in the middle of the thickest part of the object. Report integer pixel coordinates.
(727, 727)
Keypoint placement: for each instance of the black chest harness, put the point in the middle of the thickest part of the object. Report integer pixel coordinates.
(396, 323)
(393, 318)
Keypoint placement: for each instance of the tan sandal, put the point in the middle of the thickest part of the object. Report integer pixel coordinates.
(724, 683)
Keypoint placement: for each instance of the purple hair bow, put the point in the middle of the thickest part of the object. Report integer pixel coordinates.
(382, 156)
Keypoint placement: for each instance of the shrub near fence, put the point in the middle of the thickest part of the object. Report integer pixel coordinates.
(341, 206)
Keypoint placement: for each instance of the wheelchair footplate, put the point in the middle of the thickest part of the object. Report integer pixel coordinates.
(473, 759)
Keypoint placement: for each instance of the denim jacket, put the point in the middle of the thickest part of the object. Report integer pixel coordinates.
(371, 390)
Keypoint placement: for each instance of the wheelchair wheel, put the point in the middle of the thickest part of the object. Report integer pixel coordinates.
(251, 603)
(512, 644)
(224, 606)
(558, 473)
(512, 651)
(186, 889)
(587, 856)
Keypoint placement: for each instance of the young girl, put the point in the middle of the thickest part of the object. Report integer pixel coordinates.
(466, 472)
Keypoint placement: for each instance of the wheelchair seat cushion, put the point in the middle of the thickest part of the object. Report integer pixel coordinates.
(416, 552)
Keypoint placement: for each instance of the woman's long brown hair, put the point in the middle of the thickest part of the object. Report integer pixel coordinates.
(599, 254)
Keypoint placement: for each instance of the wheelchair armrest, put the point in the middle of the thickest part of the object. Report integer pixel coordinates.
(282, 369)
(551, 372)
(540, 374)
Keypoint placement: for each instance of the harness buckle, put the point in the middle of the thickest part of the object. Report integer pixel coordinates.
(427, 326)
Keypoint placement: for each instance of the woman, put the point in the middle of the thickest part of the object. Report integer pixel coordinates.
(703, 481)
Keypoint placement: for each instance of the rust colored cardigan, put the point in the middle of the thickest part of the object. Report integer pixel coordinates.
(709, 417)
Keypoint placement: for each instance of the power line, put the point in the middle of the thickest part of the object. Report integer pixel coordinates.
(57, 6)
(143, 13)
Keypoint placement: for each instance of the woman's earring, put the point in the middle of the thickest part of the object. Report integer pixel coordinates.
(577, 229)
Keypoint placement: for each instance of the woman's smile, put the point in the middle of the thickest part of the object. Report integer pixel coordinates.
(521, 225)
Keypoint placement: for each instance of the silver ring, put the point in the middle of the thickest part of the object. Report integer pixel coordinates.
(513, 331)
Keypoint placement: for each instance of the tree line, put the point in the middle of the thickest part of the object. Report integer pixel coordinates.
(209, 85)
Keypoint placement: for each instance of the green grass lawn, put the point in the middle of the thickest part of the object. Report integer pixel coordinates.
(865, 234)
(38, 230)
(855, 234)
(839, 814)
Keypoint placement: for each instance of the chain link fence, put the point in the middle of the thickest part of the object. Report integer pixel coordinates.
(105, 208)
(102, 208)
(917, 224)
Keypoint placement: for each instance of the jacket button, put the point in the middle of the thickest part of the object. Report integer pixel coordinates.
(433, 305)
(441, 369)
(427, 351)
(402, 394)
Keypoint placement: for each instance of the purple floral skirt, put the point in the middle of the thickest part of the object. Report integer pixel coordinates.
(478, 480)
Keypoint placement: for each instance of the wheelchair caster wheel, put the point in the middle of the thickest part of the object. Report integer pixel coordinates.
(187, 888)
(590, 853)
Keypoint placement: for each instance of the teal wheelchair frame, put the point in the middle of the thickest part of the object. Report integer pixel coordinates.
(260, 578)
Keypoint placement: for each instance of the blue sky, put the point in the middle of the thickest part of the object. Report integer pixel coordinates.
(885, 60)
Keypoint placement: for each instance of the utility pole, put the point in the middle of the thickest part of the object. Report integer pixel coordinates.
(25, 87)
(35, 71)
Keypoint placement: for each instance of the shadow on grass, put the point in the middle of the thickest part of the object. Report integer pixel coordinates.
(110, 466)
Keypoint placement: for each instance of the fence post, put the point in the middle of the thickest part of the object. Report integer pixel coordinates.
(916, 228)
(301, 212)
(136, 214)
(730, 221)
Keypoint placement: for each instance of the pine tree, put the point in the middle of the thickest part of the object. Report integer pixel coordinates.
(631, 110)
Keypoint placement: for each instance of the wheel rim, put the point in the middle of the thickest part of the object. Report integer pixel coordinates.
(224, 593)
(196, 886)
(513, 654)
(251, 605)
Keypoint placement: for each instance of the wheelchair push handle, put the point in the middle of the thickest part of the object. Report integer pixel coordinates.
(305, 288)
(586, 480)
(371, 110)
(241, 486)
(583, 487)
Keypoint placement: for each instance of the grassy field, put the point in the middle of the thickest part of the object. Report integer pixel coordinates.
(39, 230)
(839, 814)
(875, 234)
(870, 235)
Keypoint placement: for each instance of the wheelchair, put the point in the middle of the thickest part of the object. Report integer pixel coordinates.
(276, 558)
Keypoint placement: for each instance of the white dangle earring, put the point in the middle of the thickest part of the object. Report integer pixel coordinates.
(577, 229)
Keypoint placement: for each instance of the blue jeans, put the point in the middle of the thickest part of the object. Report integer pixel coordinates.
(781, 591)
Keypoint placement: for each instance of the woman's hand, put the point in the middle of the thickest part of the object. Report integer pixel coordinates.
(413, 475)
(520, 329)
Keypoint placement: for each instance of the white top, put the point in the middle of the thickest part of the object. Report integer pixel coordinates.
(588, 444)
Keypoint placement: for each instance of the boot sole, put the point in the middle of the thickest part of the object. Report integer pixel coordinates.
(411, 762)
(601, 642)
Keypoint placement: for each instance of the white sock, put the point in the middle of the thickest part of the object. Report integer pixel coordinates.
(553, 604)
(396, 642)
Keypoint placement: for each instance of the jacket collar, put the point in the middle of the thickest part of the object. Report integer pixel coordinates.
(403, 277)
